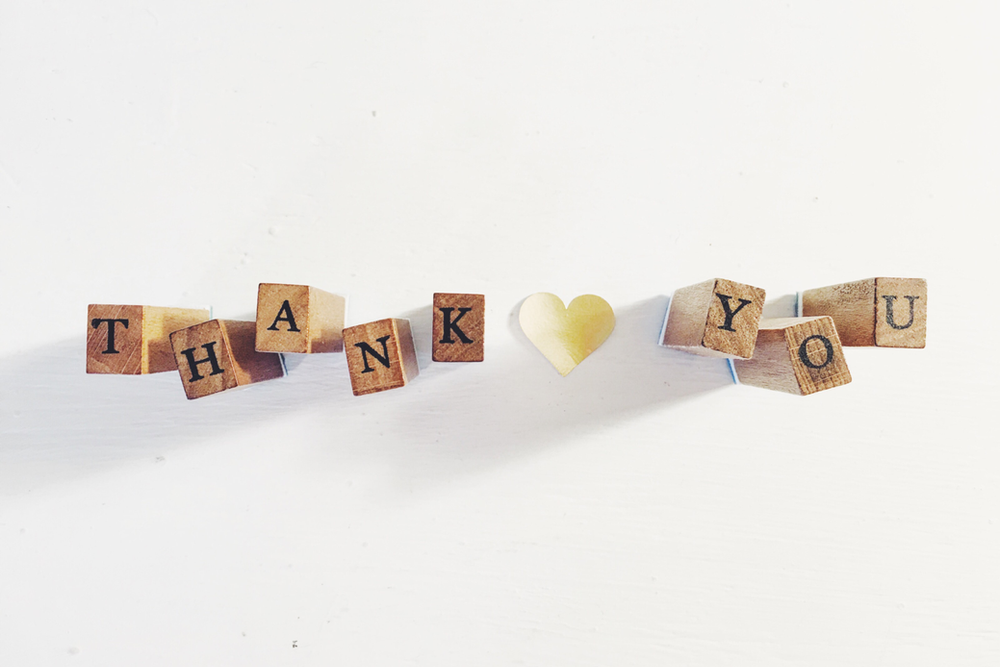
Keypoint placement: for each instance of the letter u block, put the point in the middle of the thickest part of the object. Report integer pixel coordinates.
(298, 318)
(882, 312)
(219, 355)
(134, 340)
(798, 355)
(458, 327)
(716, 318)
(380, 355)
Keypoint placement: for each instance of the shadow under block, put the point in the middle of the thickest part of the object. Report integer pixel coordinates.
(458, 327)
(716, 318)
(298, 318)
(882, 312)
(798, 355)
(380, 355)
(219, 354)
(135, 340)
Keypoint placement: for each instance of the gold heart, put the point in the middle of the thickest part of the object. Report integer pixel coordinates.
(566, 336)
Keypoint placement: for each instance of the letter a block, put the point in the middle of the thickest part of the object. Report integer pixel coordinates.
(716, 318)
(883, 312)
(219, 355)
(380, 355)
(798, 355)
(298, 318)
(134, 340)
(458, 326)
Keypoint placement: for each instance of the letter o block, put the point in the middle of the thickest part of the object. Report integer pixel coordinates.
(380, 355)
(716, 318)
(797, 355)
(881, 312)
(219, 355)
(134, 340)
(298, 318)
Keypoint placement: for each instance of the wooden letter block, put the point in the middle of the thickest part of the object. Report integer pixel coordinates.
(134, 340)
(799, 355)
(716, 318)
(298, 318)
(219, 355)
(459, 322)
(380, 355)
(883, 312)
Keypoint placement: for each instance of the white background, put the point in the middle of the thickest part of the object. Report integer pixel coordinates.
(642, 510)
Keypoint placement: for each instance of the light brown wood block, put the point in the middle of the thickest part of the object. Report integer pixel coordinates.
(458, 327)
(798, 355)
(380, 355)
(219, 354)
(134, 340)
(716, 318)
(883, 312)
(298, 318)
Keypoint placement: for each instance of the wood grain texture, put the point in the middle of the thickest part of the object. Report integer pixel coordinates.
(861, 311)
(797, 355)
(218, 355)
(461, 337)
(298, 318)
(140, 342)
(698, 322)
(380, 355)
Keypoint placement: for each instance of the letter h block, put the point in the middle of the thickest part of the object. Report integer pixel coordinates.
(134, 340)
(219, 355)
(458, 327)
(298, 318)
(798, 355)
(716, 318)
(380, 355)
(882, 312)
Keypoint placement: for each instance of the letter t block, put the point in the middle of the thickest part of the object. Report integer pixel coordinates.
(298, 318)
(882, 312)
(380, 355)
(716, 318)
(458, 327)
(134, 340)
(798, 355)
(219, 355)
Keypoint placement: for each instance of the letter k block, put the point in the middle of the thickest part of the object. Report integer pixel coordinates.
(458, 327)
(219, 355)
(380, 355)
(716, 318)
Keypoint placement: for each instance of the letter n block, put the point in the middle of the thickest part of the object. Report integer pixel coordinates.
(716, 318)
(380, 355)
(219, 355)
(458, 327)
(298, 318)
(882, 312)
(798, 355)
(134, 340)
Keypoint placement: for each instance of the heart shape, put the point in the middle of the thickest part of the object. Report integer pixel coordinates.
(566, 336)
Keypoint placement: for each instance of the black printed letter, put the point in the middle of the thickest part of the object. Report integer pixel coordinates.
(193, 365)
(730, 313)
(366, 349)
(450, 325)
(96, 322)
(285, 308)
(804, 355)
(888, 311)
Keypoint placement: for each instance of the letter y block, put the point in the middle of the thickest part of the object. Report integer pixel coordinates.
(219, 355)
(716, 318)
(134, 340)
(380, 355)
(298, 318)
(882, 312)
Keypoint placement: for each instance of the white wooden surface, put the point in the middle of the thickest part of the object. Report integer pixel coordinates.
(643, 510)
